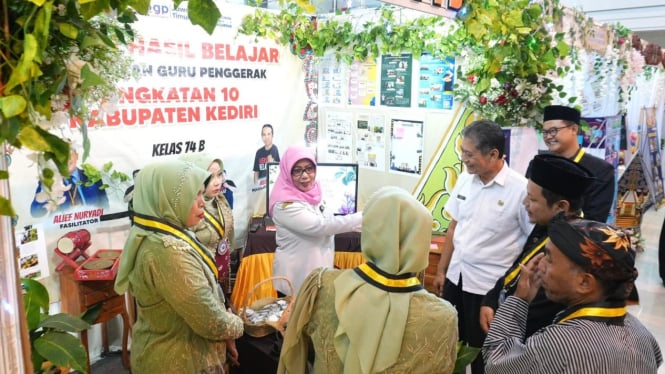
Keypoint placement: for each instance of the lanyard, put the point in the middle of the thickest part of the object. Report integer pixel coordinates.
(218, 224)
(513, 274)
(578, 156)
(577, 159)
(596, 312)
(161, 226)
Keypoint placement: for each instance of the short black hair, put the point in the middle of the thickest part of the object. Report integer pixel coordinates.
(571, 123)
(487, 135)
(268, 126)
(552, 197)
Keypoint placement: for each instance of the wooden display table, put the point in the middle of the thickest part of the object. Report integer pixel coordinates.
(78, 296)
(434, 256)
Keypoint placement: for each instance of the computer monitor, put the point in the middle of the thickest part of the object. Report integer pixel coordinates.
(338, 181)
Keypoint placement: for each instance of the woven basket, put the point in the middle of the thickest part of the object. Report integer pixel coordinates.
(259, 330)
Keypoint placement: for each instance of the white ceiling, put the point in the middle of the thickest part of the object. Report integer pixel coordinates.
(645, 17)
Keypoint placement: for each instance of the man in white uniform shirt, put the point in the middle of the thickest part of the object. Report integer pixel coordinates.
(488, 228)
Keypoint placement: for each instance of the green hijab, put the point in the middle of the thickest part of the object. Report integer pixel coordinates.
(164, 190)
(396, 235)
(202, 160)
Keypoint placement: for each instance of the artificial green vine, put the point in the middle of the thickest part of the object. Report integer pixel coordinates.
(339, 34)
(506, 82)
(512, 52)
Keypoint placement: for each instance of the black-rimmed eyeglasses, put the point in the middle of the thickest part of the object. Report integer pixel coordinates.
(297, 172)
(552, 131)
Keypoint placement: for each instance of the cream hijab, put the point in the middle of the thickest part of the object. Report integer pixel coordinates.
(202, 160)
(396, 234)
(164, 190)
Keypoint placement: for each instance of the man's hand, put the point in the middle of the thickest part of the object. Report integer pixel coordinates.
(530, 279)
(439, 282)
(486, 317)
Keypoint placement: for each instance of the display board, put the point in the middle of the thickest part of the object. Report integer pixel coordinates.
(338, 181)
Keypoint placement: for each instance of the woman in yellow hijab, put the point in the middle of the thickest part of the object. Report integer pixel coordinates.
(375, 318)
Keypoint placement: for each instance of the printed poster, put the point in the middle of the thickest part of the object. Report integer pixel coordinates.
(593, 138)
(371, 141)
(612, 146)
(406, 146)
(362, 83)
(33, 258)
(436, 78)
(396, 80)
(332, 81)
(653, 155)
(338, 137)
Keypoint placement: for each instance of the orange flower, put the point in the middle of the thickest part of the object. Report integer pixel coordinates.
(596, 255)
(617, 237)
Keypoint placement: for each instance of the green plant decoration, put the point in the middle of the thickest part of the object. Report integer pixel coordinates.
(350, 38)
(58, 61)
(465, 356)
(54, 348)
(508, 50)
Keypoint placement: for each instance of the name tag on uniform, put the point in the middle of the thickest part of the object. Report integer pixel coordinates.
(461, 197)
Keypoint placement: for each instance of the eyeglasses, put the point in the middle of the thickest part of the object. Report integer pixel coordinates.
(298, 172)
(552, 131)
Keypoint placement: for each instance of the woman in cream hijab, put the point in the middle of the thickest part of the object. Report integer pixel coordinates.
(216, 230)
(375, 318)
(182, 322)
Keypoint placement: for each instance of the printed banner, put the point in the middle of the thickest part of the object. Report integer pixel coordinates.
(194, 93)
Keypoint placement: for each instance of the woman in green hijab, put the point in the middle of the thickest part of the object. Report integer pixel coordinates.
(182, 323)
(375, 318)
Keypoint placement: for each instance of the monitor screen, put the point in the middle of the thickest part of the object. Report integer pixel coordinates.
(339, 185)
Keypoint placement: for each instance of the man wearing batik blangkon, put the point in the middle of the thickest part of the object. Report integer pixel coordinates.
(590, 267)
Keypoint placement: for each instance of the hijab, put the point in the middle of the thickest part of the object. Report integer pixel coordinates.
(284, 189)
(164, 190)
(396, 235)
(396, 232)
(203, 161)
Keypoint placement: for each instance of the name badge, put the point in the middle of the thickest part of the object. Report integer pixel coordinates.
(461, 197)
